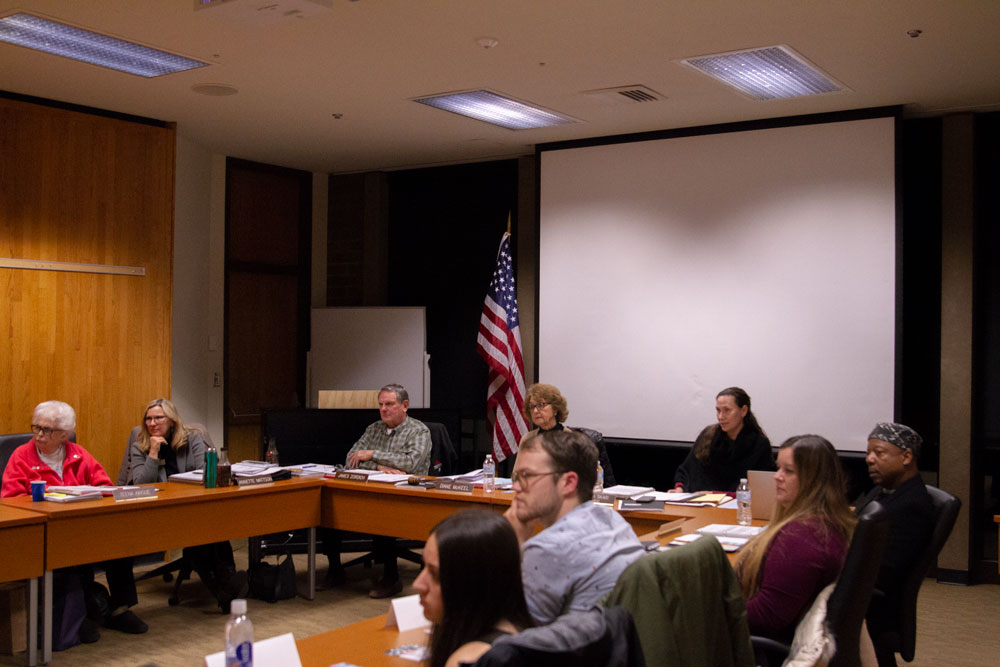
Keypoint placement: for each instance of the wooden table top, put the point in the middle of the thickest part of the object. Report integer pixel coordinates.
(180, 515)
(168, 494)
(362, 643)
(11, 516)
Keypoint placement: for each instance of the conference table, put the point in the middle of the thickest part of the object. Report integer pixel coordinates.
(22, 534)
(179, 515)
(58, 535)
(411, 512)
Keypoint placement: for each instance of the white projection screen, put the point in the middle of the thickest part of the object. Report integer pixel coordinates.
(672, 268)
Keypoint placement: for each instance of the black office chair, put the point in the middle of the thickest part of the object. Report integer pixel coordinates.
(848, 603)
(11, 441)
(903, 640)
(8, 443)
(602, 453)
(444, 458)
(596, 638)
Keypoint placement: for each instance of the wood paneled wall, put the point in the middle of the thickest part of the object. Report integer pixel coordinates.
(79, 187)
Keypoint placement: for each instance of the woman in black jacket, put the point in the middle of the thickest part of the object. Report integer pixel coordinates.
(723, 452)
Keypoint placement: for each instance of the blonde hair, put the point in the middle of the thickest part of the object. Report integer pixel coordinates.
(822, 497)
(180, 432)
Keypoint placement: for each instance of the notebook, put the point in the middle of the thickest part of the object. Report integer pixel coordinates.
(762, 493)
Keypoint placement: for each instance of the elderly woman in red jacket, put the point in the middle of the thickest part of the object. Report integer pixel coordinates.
(50, 456)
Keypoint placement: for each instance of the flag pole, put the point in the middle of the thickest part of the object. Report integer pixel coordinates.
(508, 222)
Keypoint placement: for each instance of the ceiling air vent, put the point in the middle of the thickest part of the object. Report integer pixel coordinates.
(625, 95)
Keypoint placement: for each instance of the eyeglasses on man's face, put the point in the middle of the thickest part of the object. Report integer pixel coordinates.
(44, 431)
(524, 477)
(538, 406)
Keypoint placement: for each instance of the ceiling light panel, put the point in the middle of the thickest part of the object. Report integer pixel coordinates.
(765, 74)
(91, 47)
(496, 109)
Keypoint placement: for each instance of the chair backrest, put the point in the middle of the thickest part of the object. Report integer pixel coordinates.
(848, 603)
(8, 443)
(687, 607)
(946, 507)
(602, 453)
(125, 467)
(444, 458)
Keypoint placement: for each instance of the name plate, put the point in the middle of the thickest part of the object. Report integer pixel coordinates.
(254, 481)
(134, 494)
(350, 476)
(605, 498)
(454, 485)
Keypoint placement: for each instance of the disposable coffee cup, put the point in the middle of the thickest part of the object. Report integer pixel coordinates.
(38, 490)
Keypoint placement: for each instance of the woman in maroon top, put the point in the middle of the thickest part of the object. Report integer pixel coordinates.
(802, 550)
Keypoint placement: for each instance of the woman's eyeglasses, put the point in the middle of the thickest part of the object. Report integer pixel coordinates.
(45, 430)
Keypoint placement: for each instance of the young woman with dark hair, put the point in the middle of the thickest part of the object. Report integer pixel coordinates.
(724, 451)
(470, 587)
(803, 547)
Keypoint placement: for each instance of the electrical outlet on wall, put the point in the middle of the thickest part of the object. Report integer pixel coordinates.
(216, 379)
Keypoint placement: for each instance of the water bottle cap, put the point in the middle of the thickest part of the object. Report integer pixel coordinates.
(238, 607)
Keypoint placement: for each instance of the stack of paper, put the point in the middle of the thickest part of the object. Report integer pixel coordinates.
(625, 491)
(84, 489)
(72, 498)
(696, 499)
(248, 469)
(388, 478)
(310, 469)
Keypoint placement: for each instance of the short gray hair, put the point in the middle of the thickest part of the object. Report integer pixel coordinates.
(397, 389)
(61, 414)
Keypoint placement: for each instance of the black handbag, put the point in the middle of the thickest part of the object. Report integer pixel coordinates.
(273, 582)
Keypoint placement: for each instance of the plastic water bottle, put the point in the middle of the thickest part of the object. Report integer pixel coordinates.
(239, 636)
(272, 452)
(489, 474)
(223, 477)
(599, 484)
(743, 515)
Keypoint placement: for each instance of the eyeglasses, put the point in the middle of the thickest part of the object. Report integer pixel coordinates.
(524, 478)
(155, 419)
(45, 430)
(538, 406)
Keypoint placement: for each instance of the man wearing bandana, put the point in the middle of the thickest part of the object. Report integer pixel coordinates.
(893, 450)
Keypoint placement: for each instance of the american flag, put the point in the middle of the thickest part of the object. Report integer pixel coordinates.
(499, 344)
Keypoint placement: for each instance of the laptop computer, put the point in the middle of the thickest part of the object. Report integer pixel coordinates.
(762, 491)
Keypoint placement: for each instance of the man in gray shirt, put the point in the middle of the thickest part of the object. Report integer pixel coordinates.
(583, 547)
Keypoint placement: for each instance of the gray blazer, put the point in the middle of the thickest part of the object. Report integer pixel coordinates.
(138, 468)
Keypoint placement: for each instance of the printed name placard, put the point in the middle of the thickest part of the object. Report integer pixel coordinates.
(254, 481)
(350, 476)
(454, 485)
(134, 494)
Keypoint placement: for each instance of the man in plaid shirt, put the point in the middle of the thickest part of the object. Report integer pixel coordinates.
(394, 444)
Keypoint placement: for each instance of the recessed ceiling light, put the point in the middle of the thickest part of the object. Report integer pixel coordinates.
(214, 89)
(91, 47)
(767, 73)
(496, 109)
